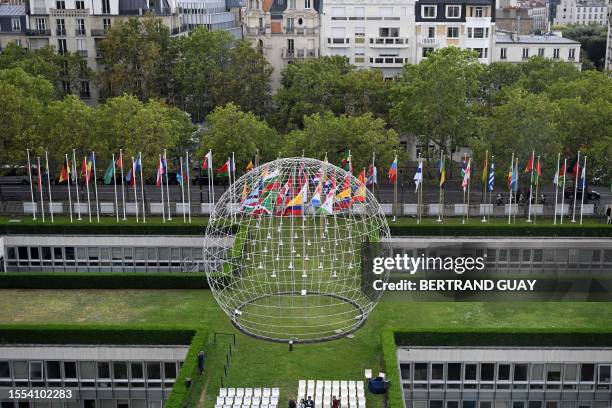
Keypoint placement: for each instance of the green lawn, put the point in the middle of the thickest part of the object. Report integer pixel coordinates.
(260, 363)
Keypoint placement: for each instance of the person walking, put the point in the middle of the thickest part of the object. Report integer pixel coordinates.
(609, 214)
(201, 362)
(291, 404)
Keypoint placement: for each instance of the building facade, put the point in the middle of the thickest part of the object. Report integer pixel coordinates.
(510, 47)
(581, 12)
(498, 377)
(12, 24)
(283, 31)
(468, 24)
(374, 34)
(608, 62)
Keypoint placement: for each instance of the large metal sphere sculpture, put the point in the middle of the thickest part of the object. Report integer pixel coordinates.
(286, 249)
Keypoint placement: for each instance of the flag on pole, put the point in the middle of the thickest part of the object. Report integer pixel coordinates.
(559, 174)
(484, 168)
(514, 179)
(466, 174)
(393, 171)
(372, 175)
(536, 174)
(582, 182)
(442, 171)
(207, 161)
(249, 166)
(463, 165)
(86, 169)
(39, 177)
(179, 176)
(492, 176)
(343, 198)
(120, 160)
(418, 176)
(109, 174)
(362, 176)
(225, 169)
(346, 164)
(160, 173)
(529, 165)
(64, 172)
(328, 204)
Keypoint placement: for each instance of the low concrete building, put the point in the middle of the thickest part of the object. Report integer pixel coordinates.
(510, 47)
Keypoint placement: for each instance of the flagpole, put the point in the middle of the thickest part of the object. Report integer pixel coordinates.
(188, 186)
(68, 184)
(583, 187)
(394, 187)
(233, 170)
(76, 183)
(87, 183)
(510, 188)
(373, 178)
(93, 154)
(563, 189)
(516, 192)
(440, 187)
(49, 185)
(530, 185)
(420, 198)
(557, 188)
(144, 209)
(122, 184)
(419, 189)
(40, 189)
(535, 214)
(576, 187)
(489, 207)
(135, 189)
(161, 185)
(31, 186)
(485, 181)
(115, 186)
(469, 185)
(167, 188)
(182, 188)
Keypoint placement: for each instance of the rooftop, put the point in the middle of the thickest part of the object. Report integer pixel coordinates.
(12, 10)
(506, 38)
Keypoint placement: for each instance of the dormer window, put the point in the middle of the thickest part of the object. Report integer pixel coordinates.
(428, 11)
(453, 11)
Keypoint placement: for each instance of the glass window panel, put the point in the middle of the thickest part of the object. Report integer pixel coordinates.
(53, 370)
(20, 369)
(105, 253)
(164, 253)
(503, 372)
(571, 372)
(470, 372)
(70, 370)
(36, 370)
(587, 372)
(437, 371)
(5, 369)
(34, 253)
(520, 372)
(136, 370)
(117, 254)
(152, 254)
(103, 369)
(153, 370)
(553, 372)
(436, 404)
(57, 253)
(175, 253)
(87, 370)
(120, 370)
(46, 252)
(81, 253)
(23, 253)
(604, 374)
(69, 253)
(537, 372)
(487, 372)
(420, 372)
(454, 372)
(170, 369)
(405, 371)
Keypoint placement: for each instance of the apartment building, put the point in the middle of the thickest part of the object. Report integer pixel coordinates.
(581, 12)
(608, 61)
(212, 14)
(510, 47)
(283, 30)
(374, 34)
(12, 24)
(468, 24)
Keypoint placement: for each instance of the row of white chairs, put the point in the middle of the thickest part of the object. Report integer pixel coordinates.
(248, 400)
(337, 388)
(326, 401)
(246, 406)
(249, 392)
(331, 384)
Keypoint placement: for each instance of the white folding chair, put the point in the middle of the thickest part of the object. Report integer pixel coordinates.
(257, 392)
(302, 383)
(344, 391)
(218, 406)
(352, 392)
(311, 383)
(362, 401)
(237, 400)
(328, 385)
(240, 392)
(220, 400)
(368, 373)
(266, 392)
(360, 392)
(353, 401)
(343, 384)
(343, 400)
(381, 375)
(360, 385)
(256, 401)
(301, 392)
(264, 406)
(352, 384)
(336, 384)
(222, 392)
(275, 392)
(274, 400)
(265, 401)
(228, 401)
(231, 392)
(248, 392)
(247, 400)
(227, 406)
(237, 406)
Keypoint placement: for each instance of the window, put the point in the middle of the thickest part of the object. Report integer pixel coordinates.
(428, 11)
(537, 372)
(454, 372)
(338, 32)
(453, 11)
(520, 372)
(16, 24)
(41, 24)
(80, 4)
(20, 370)
(437, 372)
(136, 372)
(36, 370)
(541, 52)
(53, 370)
(470, 372)
(420, 371)
(587, 372)
(503, 53)
(388, 32)
(60, 5)
(87, 370)
(106, 7)
(103, 369)
(431, 32)
(385, 11)
(553, 372)
(291, 4)
(61, 26)
(478, 12)
(80, 26)
(359, 31)
(5, 369)
(290, 25)
(427, 51)
(338, 12)
(85, 91)
(452, 32)
(503, 372)
(307, 4)
(120, 370)
(525, 53)
(359, 51)
(153, 371)
(70, 370)
(604, 374)
(487, 372)
(170, 370)
(571, 54)
(405, 371)
(106, 23)
(570, 374)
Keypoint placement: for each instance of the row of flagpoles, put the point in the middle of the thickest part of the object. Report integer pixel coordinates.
(68, 173)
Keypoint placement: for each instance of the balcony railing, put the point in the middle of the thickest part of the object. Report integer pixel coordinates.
(388, 61)
(255, 30)
(388, 41)
(83, 53)
(428, 40)
(96, 32)
(39, 10)
(338, 41)
(39, 33)
(80, 32)
(291, 53)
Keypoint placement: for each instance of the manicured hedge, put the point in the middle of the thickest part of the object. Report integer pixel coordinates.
(86, 280)
(89, 334)
(505, 338)
(101, 229)
(395, 395)
(502, 230)
(182, 396)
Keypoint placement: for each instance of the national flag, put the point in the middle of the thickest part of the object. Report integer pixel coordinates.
(362, 176)
(109, 174)
(296, 205)
(529, 165)
(442, 171)
(559, 174)
(317, 197)
(463, 166)
(179, 176)
(492, 176)
(393, 171)
(575, 166)
(347, 164)
(39, 177)
(535, 178)
(207, 161)
(86, 169)
(484, 168)
(513, 186)
(265, 206)
(120, 160)
(225, 169)
(283, 196)
(343, 199)
(138, 163)
(64, 172)
(418, 176)
(249, 166)
(372, 175)
(160, 172)
(328, 204)
(131, 176)
(467, 174)
(252, 199)
(582, 183)
(164, 165)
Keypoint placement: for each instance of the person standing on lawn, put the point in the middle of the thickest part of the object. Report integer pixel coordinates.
(201, 362)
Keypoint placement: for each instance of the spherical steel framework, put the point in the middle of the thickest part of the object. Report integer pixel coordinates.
(286, 251)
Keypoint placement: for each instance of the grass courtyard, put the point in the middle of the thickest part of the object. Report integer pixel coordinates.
(260, 363)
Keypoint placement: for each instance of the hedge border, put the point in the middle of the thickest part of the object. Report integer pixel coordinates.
(87, 280)
(137, 335)
(502, 337)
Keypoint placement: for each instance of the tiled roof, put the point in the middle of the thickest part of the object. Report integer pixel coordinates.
(12, 10)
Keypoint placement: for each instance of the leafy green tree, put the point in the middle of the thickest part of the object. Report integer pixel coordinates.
(214, 69)
(592, 40)
(137, 56)
(328, 84)
(22, 101)
(433, 100)
(539, 73)
(331, 135)
(494, 78)
(231, 130)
